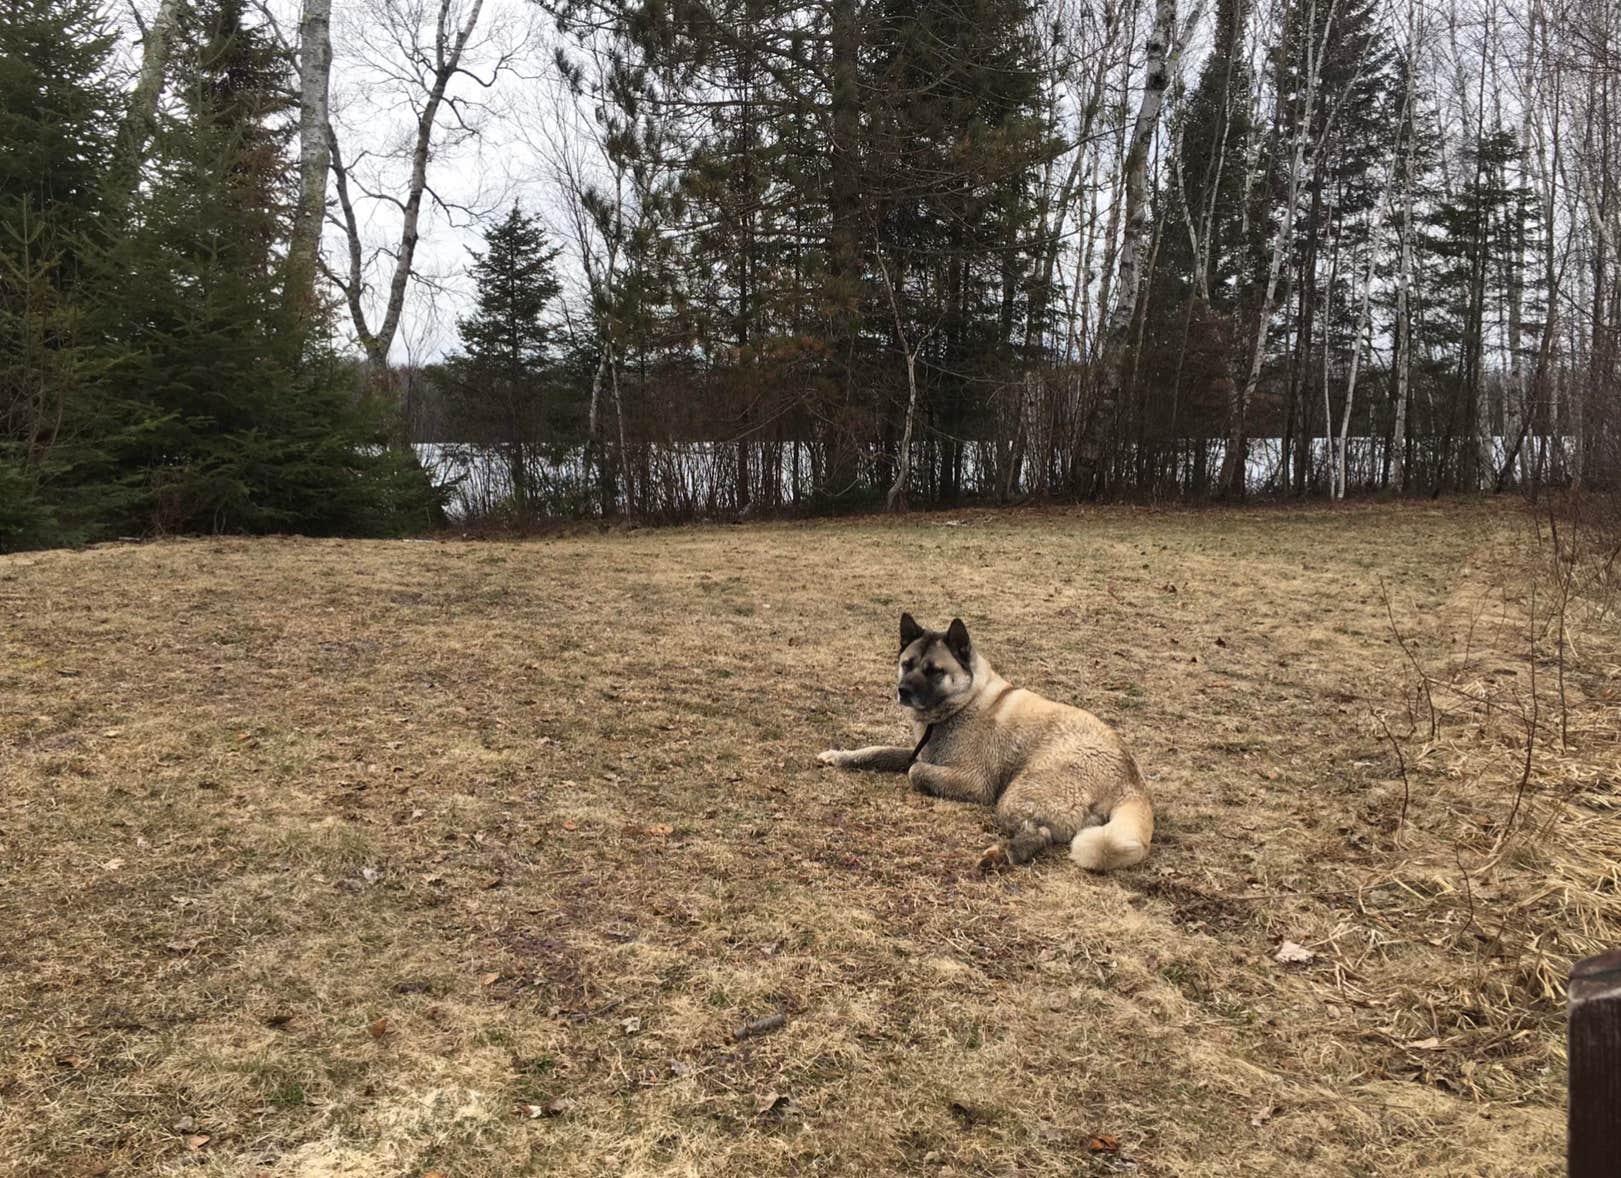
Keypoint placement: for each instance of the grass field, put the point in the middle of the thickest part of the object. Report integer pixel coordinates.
(361, 858)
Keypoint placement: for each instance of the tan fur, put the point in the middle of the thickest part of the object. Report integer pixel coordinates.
(1055, 773)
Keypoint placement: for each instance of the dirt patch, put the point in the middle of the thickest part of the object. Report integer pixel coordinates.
(365, 858)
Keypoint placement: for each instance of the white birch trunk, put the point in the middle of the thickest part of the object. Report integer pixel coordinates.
(1156, 76)
(1234, 461)
(1404, 268)
(446, 63)
(141, 116)
(314, 151)
(895, 500)
(1328, 408)
(1356, 364)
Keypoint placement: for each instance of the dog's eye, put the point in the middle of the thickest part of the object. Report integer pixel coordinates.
(935, 672)
(908, 665)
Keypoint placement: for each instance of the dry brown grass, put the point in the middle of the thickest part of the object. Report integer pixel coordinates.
(546, 818)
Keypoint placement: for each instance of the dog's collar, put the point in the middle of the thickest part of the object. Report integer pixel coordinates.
(927, 732)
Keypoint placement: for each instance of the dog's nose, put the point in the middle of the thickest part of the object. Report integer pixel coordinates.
(904, 694)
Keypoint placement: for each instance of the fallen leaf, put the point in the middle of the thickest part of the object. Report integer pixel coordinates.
(1290, 953)
(433, 1174)
(112, 865)
(680, 1068)
(196, 1141)
(71, 1061)
(557, 1106)
(370, 874)
(661, 830)
(770, 1102)
(533, 1111)
(1103, 1143)
(1431, 1044)
(570, 824)
(489, 979)
(278, 1020)
(1263, 1116)
(379, 1028)
(631, 1024)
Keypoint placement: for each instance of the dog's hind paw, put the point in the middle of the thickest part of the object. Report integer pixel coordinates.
(994, 858)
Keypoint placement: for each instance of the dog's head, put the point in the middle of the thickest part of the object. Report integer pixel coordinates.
(936, 670)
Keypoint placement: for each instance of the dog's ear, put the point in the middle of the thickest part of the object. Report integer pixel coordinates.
(910, 630)
(957, 642)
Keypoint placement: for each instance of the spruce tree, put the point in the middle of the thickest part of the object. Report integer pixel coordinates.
(58, 115)
(504, 374)
(245, 420)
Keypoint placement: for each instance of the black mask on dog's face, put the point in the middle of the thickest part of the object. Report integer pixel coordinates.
(935, 669)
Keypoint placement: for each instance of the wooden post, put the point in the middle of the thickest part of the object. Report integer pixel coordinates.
(1594, 1024)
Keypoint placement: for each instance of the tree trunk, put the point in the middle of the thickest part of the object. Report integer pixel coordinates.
(1234, 461)
(448, 47)
(1156, 76)
(1340, 477)
(314, 153)
(141, 116)
(1404, 273)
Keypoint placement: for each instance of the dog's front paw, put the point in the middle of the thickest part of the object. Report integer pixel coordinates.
(994, 858)
(918, 777)
(833, 757)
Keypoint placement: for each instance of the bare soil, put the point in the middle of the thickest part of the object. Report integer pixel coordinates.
(364, 858)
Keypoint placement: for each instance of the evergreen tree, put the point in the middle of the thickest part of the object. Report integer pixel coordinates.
(1207, 266)
(1353, 130)
(243, 418)
(57, 121)
(949, 156)
(1472, 252)
(503, 378)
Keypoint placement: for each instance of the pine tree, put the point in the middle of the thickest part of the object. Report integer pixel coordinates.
(1206, 260)
(952, 145)
(1353, 131)
(243, 417)
(57, 122)
(503, 378)
(1471, 251)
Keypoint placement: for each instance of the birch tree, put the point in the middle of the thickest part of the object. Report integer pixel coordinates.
(1403, 360)
(426, 53)
(1129, 281)
(141, 113)
(314, 151)
(1302, 153)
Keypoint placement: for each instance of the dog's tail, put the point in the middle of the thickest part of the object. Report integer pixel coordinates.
(1120, 842)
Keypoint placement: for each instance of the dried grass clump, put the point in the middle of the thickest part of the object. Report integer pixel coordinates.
(1508, 746)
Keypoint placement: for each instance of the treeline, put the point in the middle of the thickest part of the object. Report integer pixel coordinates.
(162, 367)
(881, 252)
(823, 254)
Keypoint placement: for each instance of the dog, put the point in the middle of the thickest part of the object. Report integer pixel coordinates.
(1056, 774)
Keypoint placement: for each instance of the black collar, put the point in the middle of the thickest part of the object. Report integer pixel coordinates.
(927, 732)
